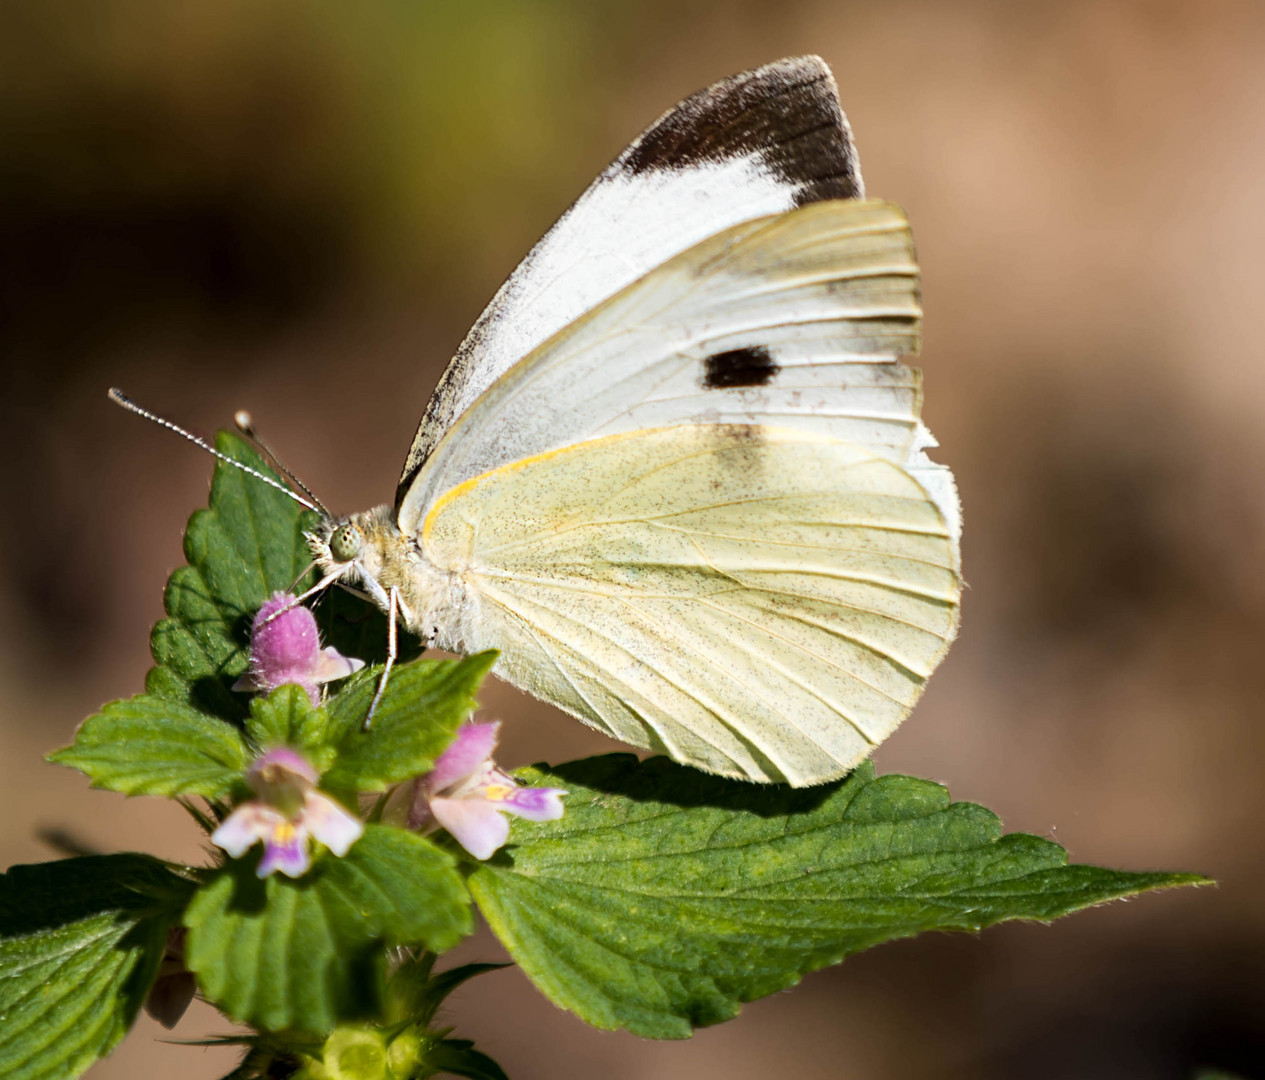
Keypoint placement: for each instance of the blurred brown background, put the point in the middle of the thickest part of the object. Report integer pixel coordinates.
(300, 206)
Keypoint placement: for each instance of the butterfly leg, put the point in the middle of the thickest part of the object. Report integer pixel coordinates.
(393, 610)
(306, 570)
(320, 586)
(324, 583)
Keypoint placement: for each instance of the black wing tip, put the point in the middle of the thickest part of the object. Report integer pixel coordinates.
(801, 64)
(786, 112)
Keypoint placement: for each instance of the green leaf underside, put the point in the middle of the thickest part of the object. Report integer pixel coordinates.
(149, 745)
(305, 954)
(424, 704)
(666, 898)
(247, 545)
(80, 943)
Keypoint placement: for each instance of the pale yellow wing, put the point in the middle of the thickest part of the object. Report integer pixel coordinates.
(755, 601)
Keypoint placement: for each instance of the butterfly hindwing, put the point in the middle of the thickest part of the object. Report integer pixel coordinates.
(755, 601)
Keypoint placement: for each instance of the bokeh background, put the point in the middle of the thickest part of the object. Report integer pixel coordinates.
(298, 207)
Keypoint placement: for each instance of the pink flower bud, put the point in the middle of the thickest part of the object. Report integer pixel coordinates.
(285, 647)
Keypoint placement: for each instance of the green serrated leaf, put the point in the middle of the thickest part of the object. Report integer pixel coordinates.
(419, 714)
(305, 954)
(665, 898)
(247, 545)
(150, 745)
(80, 943)
(286, 717)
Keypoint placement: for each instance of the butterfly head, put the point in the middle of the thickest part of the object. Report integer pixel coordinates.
(345, 543)
(369, 553)
(349, 548)
(364, 551)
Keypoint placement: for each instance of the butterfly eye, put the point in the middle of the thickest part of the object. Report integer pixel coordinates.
(345, 543)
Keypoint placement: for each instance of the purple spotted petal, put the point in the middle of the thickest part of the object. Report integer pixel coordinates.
(329, 823)
(466, 755)
(534, 803)
(474, 823)
(285, 850)
(245, 826)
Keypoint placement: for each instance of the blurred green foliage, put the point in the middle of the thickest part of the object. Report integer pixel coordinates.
(315, 139)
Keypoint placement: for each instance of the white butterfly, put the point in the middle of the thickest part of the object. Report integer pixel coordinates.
(676, 472)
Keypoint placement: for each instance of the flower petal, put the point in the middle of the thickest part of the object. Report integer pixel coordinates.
(249, 823)
(471, 748)
(534, 803)
(285, 849)
(329, 823)
(474, 823)
(281, 778)
(280, 768)
(331, 665)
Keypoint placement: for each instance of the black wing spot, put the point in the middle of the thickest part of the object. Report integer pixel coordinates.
(753, 366)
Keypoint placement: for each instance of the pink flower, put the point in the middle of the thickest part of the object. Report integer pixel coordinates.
(468, 795)
(287, 813)
(285, 647)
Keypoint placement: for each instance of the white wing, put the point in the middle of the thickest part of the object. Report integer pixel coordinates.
(792, 321)
(757, 602)
(752, 145)
(761, 582)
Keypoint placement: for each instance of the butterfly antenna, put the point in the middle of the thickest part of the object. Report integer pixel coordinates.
(246, 425)
(119, 398)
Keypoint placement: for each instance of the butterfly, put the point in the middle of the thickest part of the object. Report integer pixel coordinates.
(676, 473)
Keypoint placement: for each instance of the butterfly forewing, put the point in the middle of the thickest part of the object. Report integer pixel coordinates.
(794, 320)
(751, 145)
